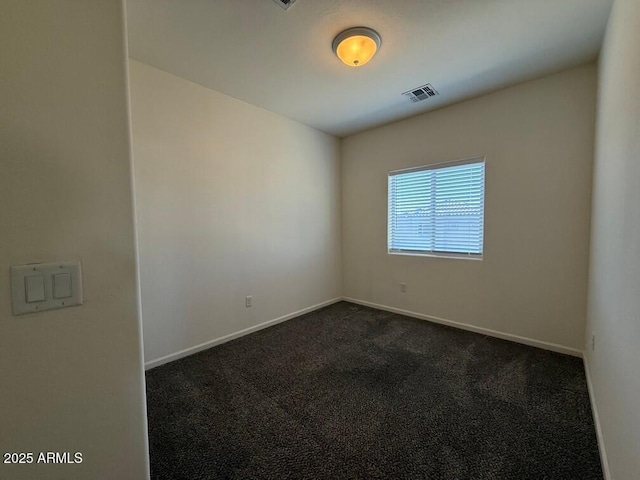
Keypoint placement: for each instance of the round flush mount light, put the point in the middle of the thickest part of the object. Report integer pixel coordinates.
(356, 46)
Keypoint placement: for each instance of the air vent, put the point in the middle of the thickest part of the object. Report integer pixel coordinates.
(421, 93)
(285, 3)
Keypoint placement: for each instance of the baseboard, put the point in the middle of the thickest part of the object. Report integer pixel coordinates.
(596, 420)
(463, 326)
(472, 328)
(232, 336)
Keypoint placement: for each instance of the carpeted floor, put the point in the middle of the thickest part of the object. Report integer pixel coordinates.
(350, 392)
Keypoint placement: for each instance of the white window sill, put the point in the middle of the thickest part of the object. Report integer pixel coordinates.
(452, 256)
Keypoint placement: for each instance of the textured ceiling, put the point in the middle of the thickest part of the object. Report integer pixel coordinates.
(281, 60)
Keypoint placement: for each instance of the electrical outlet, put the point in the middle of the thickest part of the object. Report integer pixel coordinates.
(403, 287)
(248, 301)
(593, 341)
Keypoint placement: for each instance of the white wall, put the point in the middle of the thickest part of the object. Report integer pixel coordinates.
(70, 380)
(538, 142)
(614, 284)
(232, 201)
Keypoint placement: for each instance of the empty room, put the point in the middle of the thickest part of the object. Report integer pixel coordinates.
(319, 239)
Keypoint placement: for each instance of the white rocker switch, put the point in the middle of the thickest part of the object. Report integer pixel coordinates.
(37, 287)
(62, 285)
(34, 288)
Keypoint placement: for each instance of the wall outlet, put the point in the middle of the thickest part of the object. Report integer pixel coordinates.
(248, 301)
(403, 287)
(593, 341)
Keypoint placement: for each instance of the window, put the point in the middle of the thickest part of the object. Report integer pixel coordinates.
(438, 209)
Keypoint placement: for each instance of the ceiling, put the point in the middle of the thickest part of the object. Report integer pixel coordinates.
(281, 60)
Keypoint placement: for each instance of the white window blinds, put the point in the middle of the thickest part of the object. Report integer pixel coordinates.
(438, 209)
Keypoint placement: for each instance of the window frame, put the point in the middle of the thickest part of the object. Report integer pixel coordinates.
(437, 166)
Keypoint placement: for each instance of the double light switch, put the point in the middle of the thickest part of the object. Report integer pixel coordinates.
(44, 286)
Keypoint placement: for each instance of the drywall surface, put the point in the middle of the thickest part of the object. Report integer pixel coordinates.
(232, 201)
(72, 379)
(538, 141)
(614, 280)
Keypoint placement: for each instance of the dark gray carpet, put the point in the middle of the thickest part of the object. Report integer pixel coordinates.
(350, 392)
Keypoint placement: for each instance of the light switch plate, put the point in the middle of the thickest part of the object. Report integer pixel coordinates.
(70, 286)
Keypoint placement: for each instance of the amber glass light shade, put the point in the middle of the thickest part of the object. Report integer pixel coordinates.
(356, 46)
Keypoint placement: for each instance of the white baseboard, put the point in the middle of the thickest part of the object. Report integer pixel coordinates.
(472, 328)
(596, 421)
(464, 326)
(217, 341)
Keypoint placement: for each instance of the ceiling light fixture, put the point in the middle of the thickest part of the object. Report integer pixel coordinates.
(356, 46)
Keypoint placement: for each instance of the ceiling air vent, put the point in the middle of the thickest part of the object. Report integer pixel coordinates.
(285, 3)
(421, 93)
